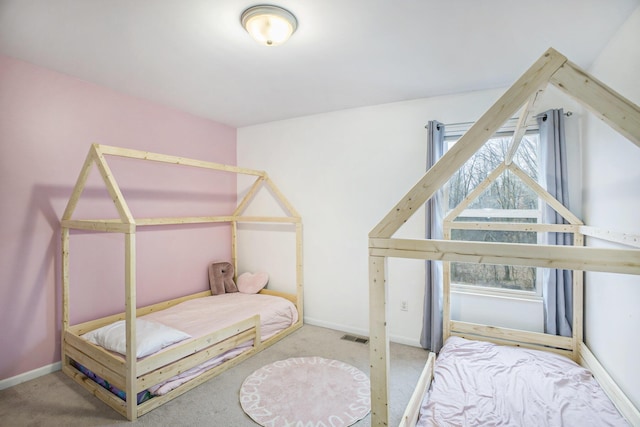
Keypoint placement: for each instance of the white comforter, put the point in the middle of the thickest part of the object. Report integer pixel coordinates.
(482, 384)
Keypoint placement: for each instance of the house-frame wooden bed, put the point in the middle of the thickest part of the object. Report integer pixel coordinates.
(623, 116)
(133, 375)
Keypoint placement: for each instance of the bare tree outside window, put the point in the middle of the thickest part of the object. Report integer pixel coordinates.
(507, 199)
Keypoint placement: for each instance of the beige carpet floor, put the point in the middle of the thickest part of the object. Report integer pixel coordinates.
(55, 400)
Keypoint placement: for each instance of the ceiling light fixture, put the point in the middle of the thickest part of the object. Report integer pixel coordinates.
(269, 25)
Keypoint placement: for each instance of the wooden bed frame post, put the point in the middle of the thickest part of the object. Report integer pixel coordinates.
(379, 347)
(65, 295)
(299, 271)
(446, 291)
(577, 331)
(130, 311)
(68, 211)
(234, 249)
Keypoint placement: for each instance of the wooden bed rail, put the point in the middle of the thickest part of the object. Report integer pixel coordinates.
(411, 413)
(617, 396)
(515, 337)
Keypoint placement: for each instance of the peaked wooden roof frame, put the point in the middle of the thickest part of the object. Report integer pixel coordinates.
(619, 113)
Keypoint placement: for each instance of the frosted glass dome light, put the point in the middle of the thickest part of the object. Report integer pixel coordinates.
(269, 25)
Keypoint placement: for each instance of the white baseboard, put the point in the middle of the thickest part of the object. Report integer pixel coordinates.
(10, 382)
(358, 331)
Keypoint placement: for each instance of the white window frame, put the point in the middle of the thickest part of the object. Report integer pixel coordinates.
(499, 213)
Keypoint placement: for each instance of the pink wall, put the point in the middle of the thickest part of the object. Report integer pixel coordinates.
(47, 123)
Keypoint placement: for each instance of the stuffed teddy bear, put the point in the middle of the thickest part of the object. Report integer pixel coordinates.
(221, 278)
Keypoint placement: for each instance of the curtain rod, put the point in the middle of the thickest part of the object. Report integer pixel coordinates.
(567, 114)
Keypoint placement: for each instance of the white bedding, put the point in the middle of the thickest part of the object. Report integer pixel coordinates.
(482, 384)
(201, 316)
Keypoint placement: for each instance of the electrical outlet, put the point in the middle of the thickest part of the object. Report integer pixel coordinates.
(404, 305)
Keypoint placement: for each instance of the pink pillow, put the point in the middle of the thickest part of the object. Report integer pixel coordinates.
(252, 283)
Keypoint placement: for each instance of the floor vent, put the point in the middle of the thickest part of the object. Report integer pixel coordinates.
(361, 340)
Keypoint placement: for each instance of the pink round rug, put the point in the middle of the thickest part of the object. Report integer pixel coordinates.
(306, 391)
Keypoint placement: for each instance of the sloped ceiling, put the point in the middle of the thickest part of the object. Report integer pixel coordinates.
(194, 55)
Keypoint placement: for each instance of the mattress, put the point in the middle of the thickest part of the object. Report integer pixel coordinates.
(201, 316)
(477, 383)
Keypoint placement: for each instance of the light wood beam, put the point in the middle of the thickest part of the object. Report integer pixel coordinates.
(547, 256)
(532, 80)
(379, 342)
(611, 236)
(521, 127)
(608, 105)
(130, 323)
(292, 211)
(234, 249)
(544, 195)
(513, 226)
(514, 335)
(617, 396)
(577, 322)
(412, 411)
(164, 158)
(476, 192)
(108, 226)
(65, 294)
(79, 187)
(446, 292)
(249, 196)
(112, 186)
(299, 272)
(213, 219)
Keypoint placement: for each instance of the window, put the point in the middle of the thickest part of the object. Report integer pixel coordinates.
(506, 200)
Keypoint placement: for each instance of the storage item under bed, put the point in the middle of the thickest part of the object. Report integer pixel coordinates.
(478, 383)
(201, 316)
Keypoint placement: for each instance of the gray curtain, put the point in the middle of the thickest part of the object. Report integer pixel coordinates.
(431, 336)
(557, 290)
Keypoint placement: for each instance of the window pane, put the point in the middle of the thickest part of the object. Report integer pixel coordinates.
(499, 276)
(494, 276)
(506, 192)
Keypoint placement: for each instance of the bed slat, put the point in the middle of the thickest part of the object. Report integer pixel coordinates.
(114, 362)
(113, 377)
(161, 359)
(97, 390)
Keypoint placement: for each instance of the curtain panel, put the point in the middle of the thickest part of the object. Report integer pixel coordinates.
(557, 292)
(431, 336)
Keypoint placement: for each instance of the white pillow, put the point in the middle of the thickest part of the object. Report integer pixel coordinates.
(150, 337)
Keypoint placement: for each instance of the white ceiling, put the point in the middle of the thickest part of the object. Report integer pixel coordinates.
(194, 55)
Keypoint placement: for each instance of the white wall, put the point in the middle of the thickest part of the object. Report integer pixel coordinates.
(343, 171)
(611, 200)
